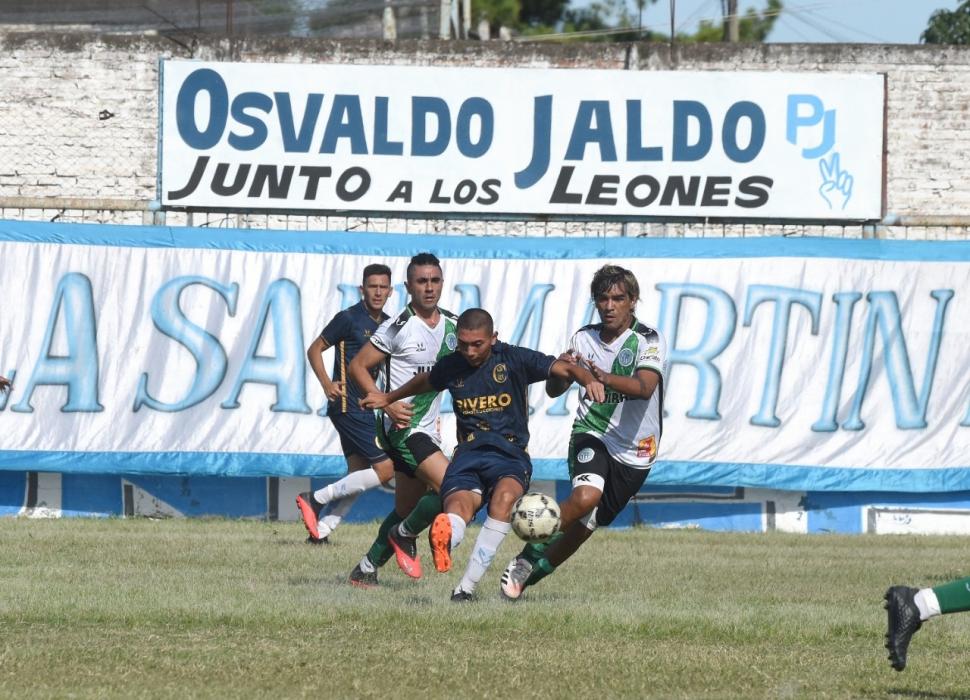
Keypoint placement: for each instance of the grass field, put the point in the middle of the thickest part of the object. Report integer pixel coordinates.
(217, 608)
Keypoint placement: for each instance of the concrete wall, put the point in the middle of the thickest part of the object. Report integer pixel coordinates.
(78, 116)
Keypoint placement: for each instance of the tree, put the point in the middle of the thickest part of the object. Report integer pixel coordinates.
(611, 20)
(947, 27)
(753, 26)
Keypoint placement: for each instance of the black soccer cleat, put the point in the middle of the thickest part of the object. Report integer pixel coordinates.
(363, 579)
(310, 539)
(460, 596)
(902, 623)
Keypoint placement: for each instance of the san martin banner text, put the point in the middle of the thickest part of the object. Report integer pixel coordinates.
(522, 141)
(796, 364)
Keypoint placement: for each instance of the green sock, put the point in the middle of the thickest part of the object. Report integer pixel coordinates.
(954, 596)
(380, 552)
(534, 551)
(424, 513)
(540, 570)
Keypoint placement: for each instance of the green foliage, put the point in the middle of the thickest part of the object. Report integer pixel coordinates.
(753, 26)
(95, 608)
(946, 27)
(537, 17)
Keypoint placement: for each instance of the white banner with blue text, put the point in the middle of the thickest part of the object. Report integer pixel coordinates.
(794, 363)
(522, 141)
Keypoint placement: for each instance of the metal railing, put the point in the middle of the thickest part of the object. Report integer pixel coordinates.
(137, 212)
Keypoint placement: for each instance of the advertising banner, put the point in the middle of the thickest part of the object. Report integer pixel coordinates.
(522, 141)
(794, 363)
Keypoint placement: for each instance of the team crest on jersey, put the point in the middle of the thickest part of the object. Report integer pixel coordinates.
(500, 373)
(647, 447)
(585, 455)
(451, 341)
(625, 358)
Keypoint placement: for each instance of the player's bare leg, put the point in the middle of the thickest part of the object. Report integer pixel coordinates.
(424, 508)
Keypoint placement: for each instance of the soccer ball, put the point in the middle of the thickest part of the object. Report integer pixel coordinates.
(535, 517)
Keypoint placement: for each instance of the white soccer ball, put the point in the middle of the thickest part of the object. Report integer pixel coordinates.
(535, 517)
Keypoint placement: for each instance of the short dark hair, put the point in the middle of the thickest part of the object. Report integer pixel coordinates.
(422, 259)
(476, 319)
(375, 269)
(614, 275)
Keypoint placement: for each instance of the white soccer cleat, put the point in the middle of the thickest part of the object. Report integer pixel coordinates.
(514, 578)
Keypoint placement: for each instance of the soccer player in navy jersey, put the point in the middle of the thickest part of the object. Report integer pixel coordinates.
(489, 382)
(367, 464)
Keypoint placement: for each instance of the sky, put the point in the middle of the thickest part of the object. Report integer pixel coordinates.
(841, 21)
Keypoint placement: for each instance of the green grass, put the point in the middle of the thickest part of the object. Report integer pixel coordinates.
(217, 608)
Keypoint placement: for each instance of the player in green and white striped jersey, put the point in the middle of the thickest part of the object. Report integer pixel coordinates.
(614, 443)
(406, 346)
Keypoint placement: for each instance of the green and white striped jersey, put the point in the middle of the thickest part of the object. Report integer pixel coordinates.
(629, 428)
(413, 347)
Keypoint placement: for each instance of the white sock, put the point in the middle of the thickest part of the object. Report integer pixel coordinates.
(457, 529)
(366, 566)
(927, 603)
(489, 539)
(353, 484)
(331, 520)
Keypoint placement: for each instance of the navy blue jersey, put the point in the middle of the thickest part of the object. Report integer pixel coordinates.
(491, 401)
(346, 333)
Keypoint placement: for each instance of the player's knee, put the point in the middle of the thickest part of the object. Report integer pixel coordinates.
(500, 505)
(384, 470)
(585, 499)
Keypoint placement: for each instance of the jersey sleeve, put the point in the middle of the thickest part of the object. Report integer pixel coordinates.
(535, 365)
(383, 338)
(652, 353)
(338, 329)
(444, 370)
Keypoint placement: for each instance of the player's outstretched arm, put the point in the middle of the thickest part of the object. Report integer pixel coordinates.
(569, 373)
(314, 354)
(639, 386)
(557, 386)
(418, 384)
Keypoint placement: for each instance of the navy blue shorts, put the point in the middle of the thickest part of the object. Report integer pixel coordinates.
(481, 469)
(358, 435)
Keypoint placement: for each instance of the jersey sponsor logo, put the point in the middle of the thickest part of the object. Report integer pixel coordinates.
(483, 404)
(367, 333)
(500, 373)
(421, 347)
(585, 455)
(451, 340)
(647, 447)
(625, 358)
(422, 368)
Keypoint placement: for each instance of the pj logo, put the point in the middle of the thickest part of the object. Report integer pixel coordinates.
(807, 113)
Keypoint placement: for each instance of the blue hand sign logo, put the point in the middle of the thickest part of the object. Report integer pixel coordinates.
(808, 113)
(836, 188)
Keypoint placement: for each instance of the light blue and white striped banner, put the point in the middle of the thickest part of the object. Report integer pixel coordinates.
(804, 364)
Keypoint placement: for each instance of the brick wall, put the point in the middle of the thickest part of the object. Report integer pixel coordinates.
(78, 117)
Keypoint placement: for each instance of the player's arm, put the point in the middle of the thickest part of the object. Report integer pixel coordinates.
(557, 386)
(640, 385)
(364, 362)
(418, 384)
(569, 373)
(314, 353)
